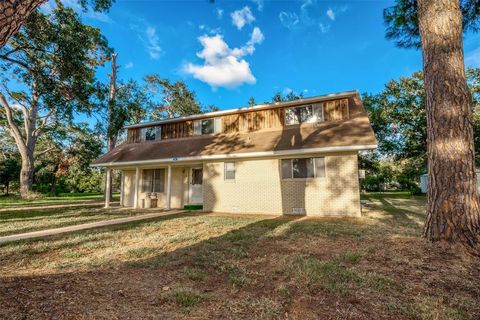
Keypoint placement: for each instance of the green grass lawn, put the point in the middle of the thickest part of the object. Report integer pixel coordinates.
(15, 200)
(24, 219)
(210, 266)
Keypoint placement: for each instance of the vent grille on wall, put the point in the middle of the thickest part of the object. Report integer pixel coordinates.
(298, 211)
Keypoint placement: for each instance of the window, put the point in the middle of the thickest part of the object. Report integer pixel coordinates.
(153, 180)
(229, 170)
(197, 176)
(302, 114)
(151, 133)
(208, 126)
(302, 168)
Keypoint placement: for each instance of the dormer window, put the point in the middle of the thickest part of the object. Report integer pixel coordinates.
(304, 114)
(151, 133)
(208, 126)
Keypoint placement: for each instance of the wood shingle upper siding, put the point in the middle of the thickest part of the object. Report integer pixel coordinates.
(246, 121)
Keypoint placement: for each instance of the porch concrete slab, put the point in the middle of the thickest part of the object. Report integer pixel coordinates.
(87, 226)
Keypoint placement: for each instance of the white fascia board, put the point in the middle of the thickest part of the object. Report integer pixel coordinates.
(239, 155)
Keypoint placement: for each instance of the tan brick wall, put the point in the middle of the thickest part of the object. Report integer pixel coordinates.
(258, 188)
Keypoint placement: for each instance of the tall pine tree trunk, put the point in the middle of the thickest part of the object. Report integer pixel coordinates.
(453, 210)
(13, 14)
(112, 137)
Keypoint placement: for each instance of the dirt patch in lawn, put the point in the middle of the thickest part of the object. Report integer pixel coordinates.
(229, 267)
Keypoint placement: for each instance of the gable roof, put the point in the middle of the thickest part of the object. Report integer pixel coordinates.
(354, 133)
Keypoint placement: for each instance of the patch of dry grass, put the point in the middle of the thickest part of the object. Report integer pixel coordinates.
(245, 267)
(23, 220)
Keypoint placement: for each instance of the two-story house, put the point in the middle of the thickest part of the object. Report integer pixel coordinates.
(297, 157)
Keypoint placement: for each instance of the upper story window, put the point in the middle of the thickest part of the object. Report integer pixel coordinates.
(208, 126)
(151, 133)
(304, 114)
(302, 168)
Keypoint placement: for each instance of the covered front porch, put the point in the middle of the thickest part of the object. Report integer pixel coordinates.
(168, 186)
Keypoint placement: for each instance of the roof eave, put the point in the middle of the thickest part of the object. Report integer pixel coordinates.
(260, 154)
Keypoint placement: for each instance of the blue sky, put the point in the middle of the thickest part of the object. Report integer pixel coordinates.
(228, 51)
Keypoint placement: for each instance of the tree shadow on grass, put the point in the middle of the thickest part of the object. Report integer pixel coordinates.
(230, 270)
(210, 255)
(395, 215)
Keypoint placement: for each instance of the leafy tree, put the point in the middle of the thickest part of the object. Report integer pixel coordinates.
(9, 171)
(68, 168)
(211, 108)
(177, 99)
(453, 206)
(14, 13)
(53, 57)
(9, 159)
(291, 96)
(83, 147)
(118, 103)
(398, 118)
(380, 179)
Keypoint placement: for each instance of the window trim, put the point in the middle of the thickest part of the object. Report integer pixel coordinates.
(314, 168)
(225, 171)
(153, 180)
(217, 126)
(314, 106)
(213, 126)
(158, 133)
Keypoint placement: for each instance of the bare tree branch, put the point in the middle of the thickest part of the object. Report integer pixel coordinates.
(12, 125)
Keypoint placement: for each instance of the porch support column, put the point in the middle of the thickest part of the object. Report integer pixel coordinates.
(169, 187)
(108, 186)
(135, 195)
(121, 188)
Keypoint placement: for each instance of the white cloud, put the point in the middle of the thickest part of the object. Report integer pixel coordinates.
(129, 65)
(257, 36)
(152, 43)
(219, 13)
(259, 3)
(289, 20)
(242, 17)
(207, 29)
(310, 15)
(331, 14)
(148, 37)
(324, 28)
(223, 66)
(287, 90)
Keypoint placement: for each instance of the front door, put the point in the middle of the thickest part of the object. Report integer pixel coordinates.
(196, 186)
